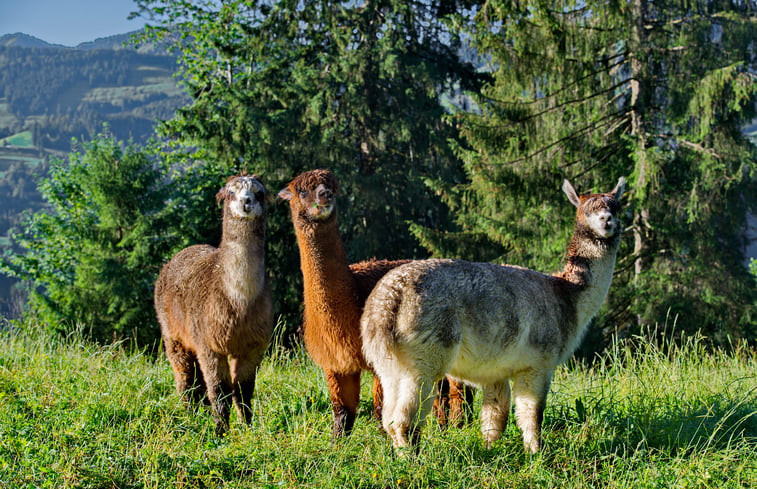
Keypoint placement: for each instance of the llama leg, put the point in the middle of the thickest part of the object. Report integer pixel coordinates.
(345, 397)
(530, 392)
(378, 398)
(460, 402)
(414, 400)
(187, 375)
(495, 411)
(442, 402)
(243, 374)
(215, 370)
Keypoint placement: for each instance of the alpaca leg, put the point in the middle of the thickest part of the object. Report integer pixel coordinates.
(495, 411)
(530, 392)
(187, 375)
(378, 398)
(460, 402)
(390, 389)
(442, 402)
(414, 400)
(243, 375)
(345, 397)
(215, 370)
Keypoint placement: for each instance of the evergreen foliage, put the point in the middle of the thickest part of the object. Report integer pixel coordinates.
(283, 87)
(595, 90)
(91, 257)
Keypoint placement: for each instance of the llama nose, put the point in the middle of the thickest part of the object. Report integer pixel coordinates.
(325, 194)
(247, 204)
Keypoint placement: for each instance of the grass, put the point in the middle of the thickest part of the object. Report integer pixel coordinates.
(73, 414)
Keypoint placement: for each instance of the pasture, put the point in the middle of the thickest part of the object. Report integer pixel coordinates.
(73, 414)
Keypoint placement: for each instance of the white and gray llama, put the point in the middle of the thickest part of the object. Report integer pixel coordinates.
(488, 325)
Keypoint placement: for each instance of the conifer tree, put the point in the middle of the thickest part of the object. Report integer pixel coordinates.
(591, 91)
(282, 87)
(91, 256)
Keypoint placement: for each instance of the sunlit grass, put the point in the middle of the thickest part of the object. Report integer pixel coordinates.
(73, 414)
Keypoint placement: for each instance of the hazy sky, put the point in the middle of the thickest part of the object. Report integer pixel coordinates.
(68, 22)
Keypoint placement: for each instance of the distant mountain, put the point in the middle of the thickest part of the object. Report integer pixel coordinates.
(21, 40)
(115, 42)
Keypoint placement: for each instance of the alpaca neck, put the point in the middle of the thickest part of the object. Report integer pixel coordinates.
(241, 257)
(325, 270)
(590, 266)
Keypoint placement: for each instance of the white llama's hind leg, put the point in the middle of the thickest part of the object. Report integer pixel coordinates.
(495, 411)
(415, 396)
(530, 392)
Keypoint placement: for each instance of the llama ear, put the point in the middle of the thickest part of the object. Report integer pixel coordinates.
(619, 189)
(571, 193)
(221, 195)
(266, 193)
(286, 194)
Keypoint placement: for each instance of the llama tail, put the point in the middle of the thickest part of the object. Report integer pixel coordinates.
(378, 326)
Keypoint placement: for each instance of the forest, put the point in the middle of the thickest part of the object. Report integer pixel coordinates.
(52, 96)
(450, 126)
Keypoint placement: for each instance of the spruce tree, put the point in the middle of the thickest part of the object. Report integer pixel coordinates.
(591, 91)
(90, 257)
(283, 87)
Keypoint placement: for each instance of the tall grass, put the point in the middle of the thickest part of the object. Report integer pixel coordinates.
(73, 414)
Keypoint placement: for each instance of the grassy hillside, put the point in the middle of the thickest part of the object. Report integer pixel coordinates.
(77, 415)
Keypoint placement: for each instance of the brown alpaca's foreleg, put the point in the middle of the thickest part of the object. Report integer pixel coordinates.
(186, 370)
(215, 370)
(345, 397)
(441, 403)
(243, 374)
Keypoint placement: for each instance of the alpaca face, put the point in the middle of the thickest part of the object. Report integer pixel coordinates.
(601, 214)
(245, 197)
(312, 195)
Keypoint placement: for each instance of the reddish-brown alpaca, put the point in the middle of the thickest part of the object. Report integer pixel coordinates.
(334, 295)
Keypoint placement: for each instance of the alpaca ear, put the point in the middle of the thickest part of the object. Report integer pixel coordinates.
(268, 197)
(286, 194)
(221, 195)
(619, 189)
(571, 193)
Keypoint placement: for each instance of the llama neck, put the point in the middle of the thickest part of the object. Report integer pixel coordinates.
(324, 261)
(242, 258)
(589, 267)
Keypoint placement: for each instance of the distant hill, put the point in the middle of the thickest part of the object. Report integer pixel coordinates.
(21, 40)
(50, 94)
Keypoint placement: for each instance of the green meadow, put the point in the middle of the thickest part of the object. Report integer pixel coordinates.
(74, 414)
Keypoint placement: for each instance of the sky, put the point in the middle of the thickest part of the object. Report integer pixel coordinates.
(68, 22)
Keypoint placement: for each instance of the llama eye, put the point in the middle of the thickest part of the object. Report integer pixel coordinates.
(304, 194)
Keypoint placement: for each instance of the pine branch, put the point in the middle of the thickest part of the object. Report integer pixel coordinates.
(573, 135)
(564, 88)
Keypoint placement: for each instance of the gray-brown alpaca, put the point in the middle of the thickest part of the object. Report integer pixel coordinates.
(214, 306)
(488, 325)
